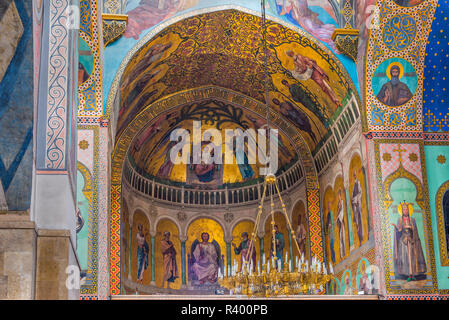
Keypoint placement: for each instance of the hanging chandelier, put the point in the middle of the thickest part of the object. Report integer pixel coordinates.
(273, 279)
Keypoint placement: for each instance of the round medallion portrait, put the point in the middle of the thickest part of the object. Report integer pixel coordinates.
(394, 82)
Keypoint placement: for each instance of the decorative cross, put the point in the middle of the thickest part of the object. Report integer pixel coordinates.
(399, 150)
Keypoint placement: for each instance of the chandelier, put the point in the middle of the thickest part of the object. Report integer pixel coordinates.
(274, 279)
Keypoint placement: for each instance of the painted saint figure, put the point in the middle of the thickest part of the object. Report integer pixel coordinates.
(356, 203)
(295, 115)
(364, 284)
(206, 257)
(169, 257)
(341, 224)
(243, 249)
(394, 92)
(142, 253)
(408, 254)
(306, 68)
(280, 244)
(330, 231)
(301, 236)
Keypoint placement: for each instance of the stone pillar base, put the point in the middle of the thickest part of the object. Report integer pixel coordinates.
(54, 253)
(17, 256)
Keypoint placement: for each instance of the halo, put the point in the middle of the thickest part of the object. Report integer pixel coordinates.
(410, 208)
(399, 65)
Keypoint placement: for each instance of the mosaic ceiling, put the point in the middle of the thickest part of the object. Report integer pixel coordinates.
(307, 85)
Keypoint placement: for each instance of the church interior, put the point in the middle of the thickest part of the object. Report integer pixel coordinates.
(350, 95)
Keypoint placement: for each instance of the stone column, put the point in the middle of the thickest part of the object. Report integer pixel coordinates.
(262, 250)
(53, 204)
(348, 208)
(183, 240)
(153, 264)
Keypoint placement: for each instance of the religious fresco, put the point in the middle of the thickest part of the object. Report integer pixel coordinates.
(125, 241)
(140, 249)
(167, 255)
(300, 228)
(347, 287)
(206, 254)
(316, 17)
(150, 152)
(282, 238)
(85, 61)
(16, 105)
(308, 87)
(358, 202)
(241, 241)
(84, 208)
(336, 222)
(400, 35)
(409, 264)
(394, 82)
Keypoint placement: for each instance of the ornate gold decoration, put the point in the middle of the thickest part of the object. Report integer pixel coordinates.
(114, 25)
(386, 157)
(274, 279)
(347, 42)
(413, 157)
(441, 159)
(444, 255)
(83, 144)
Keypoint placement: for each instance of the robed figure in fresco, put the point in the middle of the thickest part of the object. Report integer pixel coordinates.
(341, 224)
(306, 68)
(205, 259)
(280, 244)
(301, 235)
(394, 92)
(356, 203)
(142, 253)
(169, 258)
(408, 254)
(330, 231)
(243, 249)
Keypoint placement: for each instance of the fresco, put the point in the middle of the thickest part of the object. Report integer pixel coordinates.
(241, 245)
(394, 82)
(150, 151)
(300, 227)
(85, 61)
(314, 16)
(140, 249)
(281, 238)
(358, 202)
(82, 227)
(206, 255)
(167, 255)
(16, 105)
(409, 262)
(337, 224)
(308, 88)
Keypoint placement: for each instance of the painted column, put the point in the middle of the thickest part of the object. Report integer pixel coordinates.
(367, 199)
(290, 248)
(262, 250)
(228, 256)
(153, 277)
(348, 208)
(183, 240)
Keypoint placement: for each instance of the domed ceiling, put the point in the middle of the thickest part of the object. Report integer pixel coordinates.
(307, 85)
(150, 150)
